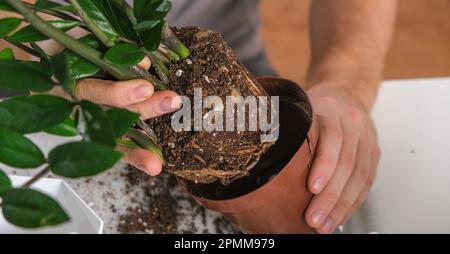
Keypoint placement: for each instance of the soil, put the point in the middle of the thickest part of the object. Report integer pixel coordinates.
(159, 213)
(202, 156)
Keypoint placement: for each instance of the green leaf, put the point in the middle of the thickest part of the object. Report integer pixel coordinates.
(91, 41)
(152, 38)
(25, 76)
(93, 13)
(30, 114)
(30, 34)
(125, 54)
(121, 120)
(70, 67)
(7, 54)
(119, 20)
(94, 125)
(8, 25)
(146, 25)
(5, 183)
(64, 129)
(45, 5)
(28, 208)
(152, 9)
(4, 6)
(138, 7)
(18, 151)
(82, 159)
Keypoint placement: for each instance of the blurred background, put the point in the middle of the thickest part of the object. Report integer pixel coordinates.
(421, 46)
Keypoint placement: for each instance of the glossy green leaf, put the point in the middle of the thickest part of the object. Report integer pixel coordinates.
(138, 7)
(152, 38)
(118, 19)
(30, 34)
(7, 54)
(82, 159)
(91, 41)
(70, 67)
(125, 54)
(121, 120)
(146, 25)
(18, 151)
(93, 13)
(5, 183)
(25, 76)
(30, 114)
(28, 208)
(94, 125)
(64, 129)
(152, 9)
(8, 25)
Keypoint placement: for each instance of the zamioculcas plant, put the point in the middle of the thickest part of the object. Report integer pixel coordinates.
(119, 37)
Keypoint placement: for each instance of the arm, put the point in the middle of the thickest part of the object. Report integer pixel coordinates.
(350, 39)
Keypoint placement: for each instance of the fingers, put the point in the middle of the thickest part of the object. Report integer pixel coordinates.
(160, 103)
(145, 63)
(142, 159)
(327, 154)
(355, 185)
(116, 94)
(375, 157)
(317, 214)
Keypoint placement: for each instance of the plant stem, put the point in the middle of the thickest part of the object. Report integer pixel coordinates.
(145, 142)
(160, 67)
(173, 43)
(169, 54)
(80, 48)
(159, 85)
(105, 39)
(161, 57)
(36, 177)
(126, 8)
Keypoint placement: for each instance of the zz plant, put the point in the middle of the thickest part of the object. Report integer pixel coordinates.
(119, 37)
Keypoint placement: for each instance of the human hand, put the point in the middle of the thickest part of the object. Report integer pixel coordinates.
(135, 95)
(347, 156)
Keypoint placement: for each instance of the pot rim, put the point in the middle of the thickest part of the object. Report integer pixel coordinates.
(305, 148)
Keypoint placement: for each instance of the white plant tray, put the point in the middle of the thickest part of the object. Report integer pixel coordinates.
(83, 219)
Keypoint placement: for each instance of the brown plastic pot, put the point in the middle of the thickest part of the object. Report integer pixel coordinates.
(273, 198)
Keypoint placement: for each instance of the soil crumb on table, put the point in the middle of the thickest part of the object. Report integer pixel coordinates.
(160, 212)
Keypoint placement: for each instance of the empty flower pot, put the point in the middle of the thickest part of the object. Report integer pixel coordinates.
(274, 196)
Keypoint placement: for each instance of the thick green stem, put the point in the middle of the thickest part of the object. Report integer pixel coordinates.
(55, 13)
(169, 54)
(104, 38)
(126, 8)
(80, 48)
(173, 43)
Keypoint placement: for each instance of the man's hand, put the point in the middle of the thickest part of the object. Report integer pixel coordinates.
(135, 95)
(346, 159)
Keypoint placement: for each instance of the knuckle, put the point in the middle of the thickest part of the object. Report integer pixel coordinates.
(357, 116)
(348, 162)
(335, 132)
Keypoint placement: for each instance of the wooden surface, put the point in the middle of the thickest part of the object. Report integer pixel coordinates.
(421, 46)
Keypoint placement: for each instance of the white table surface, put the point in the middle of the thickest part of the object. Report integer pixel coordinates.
(412, 190)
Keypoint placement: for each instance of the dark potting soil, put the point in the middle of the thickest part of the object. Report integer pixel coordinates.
(159, 212)
(202, 156)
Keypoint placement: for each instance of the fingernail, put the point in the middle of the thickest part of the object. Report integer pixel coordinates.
(328, 226)
(318, 217)
(170, 104)
(142, 92)
(318, 185)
